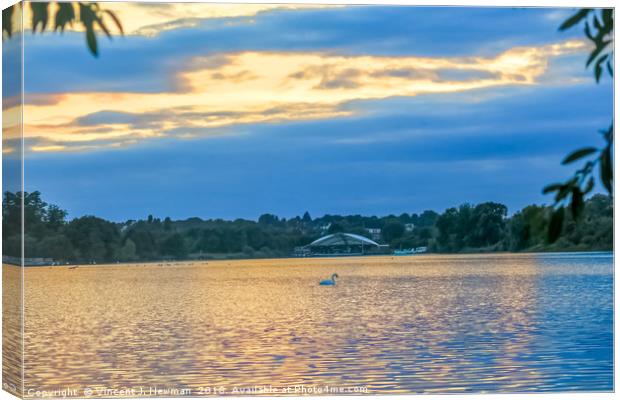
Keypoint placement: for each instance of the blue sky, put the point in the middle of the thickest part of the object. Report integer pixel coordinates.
(353, 110)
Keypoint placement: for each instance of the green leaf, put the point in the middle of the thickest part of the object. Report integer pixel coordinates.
(564, 190)
(552, 188)
(116, 21)
(91, 40)
(555, 225)
(64, 16)
(578, 154)
(597, 23)
(87, 17)
(7, 21)
(577, 203)
(599, 48)
(597, 72)
(608, 16)
(575, 19)
(606, 169)
(589, 185)
(103, 27)
(610, 69)
(40, 15)
(608, 133)
(586, 30)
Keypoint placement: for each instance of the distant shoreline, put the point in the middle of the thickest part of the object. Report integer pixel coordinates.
(220, 260)
(466, 229)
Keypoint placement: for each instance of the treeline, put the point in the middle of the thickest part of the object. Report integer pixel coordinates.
(468, 228)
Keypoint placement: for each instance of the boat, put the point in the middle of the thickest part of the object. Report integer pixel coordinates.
(410, 252)
(405, 252)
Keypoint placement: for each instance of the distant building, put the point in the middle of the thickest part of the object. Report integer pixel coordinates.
(341, 244)
(302, 251)
(409, 227)
(375, 233)
(325, 228)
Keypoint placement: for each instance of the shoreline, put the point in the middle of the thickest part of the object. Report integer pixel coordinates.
(170, 263)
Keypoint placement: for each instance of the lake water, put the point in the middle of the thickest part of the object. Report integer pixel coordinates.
(418, 324)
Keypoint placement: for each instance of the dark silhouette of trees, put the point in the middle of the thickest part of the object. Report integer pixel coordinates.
(392, 231)
(467, 228)
(174, 246)
(268, 219)
(488, 223)
(94, 239)
(569, 195)
(91, 16)
(335, 228)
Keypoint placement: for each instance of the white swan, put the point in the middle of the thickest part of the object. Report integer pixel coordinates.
(329, 282)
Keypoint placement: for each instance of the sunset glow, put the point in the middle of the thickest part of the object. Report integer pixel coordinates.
(257, 87)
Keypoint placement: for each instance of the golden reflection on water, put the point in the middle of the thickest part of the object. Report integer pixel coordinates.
(11, 329)
(394, 324)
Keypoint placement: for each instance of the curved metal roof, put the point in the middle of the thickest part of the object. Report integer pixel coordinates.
(336, 239)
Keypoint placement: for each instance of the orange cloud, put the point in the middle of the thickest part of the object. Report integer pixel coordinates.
(149, 19)
(267, 87)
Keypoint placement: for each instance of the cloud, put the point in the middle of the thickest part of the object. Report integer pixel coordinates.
(150, 19)
(504, 146)
(268, 87)
(147, 64)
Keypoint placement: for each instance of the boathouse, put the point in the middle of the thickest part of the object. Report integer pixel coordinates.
(341, 244)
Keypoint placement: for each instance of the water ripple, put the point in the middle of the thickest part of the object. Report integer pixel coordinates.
(422, 324)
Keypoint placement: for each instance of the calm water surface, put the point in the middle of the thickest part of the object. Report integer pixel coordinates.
(421, 324)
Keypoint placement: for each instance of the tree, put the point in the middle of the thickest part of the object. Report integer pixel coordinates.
(448, 239)
(209, 242)
(527, 228)
(31, 248)
(467, 228)
(55, 217)
(146, 248)
(174, 246)
(471, 227)
(12, 245)
(256, 237)
(335, 228)
(39, 219)
(167, 224)
(392, 231)
(128, 251)
(11, 215)
(90, 15)
(488, 224)
(598, 28)
(57, 246)
(94, 239)
(418, 237)
(34, 208)
(404, 218)
(268, 219)
(427, 218)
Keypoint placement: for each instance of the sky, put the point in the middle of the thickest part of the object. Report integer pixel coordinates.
(232, 111)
